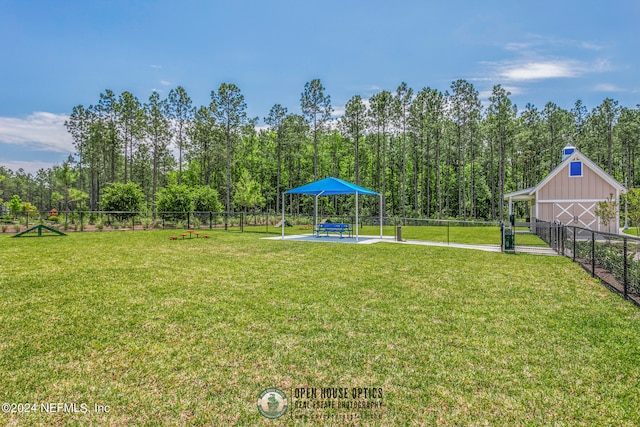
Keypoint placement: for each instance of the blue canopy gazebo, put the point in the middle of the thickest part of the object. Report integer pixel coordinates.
(331, 187)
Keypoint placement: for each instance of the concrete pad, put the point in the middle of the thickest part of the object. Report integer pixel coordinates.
(368, 240)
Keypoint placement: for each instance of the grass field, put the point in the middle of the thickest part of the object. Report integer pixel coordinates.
(456, 234)
(189, 332)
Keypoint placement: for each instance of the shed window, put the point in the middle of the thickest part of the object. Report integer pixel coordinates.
(568, 151)
(575, 169)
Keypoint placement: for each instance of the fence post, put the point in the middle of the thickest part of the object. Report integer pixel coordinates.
(81, 223)
(188, 220)
(574, 243)
(593, 254)
(558, 237)
(210, 220)
(562, 236)
(624, 255)
(448, 225)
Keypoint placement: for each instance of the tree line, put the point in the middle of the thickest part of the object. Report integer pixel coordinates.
(431, 153)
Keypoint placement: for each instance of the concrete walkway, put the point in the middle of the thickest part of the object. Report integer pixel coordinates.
(368, 240)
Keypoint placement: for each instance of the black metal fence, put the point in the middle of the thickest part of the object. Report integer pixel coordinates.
(121, 220)
(261, 222)
(612, 258)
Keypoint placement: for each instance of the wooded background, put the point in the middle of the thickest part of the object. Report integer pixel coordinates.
(431, 153)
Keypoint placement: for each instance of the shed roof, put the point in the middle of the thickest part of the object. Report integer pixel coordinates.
(529, 193)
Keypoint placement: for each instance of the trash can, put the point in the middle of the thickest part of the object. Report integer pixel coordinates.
(398, 233)
(508, 240)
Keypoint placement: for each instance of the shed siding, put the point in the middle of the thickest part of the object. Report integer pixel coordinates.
(589, 186)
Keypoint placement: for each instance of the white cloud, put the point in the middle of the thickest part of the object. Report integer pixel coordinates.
(528, 71)
(518, 46)
(538, 57)
(164, 83)
(40, 130)
(607, 87)
(338, 111)
(155, 66)
(31, 167)
(590, 46)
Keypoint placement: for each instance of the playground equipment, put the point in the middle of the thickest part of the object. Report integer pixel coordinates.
(39, 229)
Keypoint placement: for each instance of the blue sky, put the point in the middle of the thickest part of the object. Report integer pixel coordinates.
(58, 54)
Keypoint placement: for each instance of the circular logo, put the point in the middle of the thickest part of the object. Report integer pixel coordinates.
(272, 403)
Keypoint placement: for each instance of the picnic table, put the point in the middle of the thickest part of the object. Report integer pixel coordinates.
(333, 228)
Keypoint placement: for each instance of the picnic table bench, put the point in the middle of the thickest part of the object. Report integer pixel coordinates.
(333, 228)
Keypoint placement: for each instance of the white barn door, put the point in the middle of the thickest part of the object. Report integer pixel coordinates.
(580, 214)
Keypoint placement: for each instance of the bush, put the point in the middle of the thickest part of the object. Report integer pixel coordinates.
(53, 218)
(15, 205)
(126, 198)
(176, 201)
(205, 199)
(146, 222)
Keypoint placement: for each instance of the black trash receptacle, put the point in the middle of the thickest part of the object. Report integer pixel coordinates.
(508, 240)
(398, 233)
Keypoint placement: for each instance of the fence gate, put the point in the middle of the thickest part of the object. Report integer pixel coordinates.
(529, 238)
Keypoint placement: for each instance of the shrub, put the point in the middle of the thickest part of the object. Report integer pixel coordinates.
(146, 222)
(126, 198)
(4, 227)
(99, 225)
(15, 205)
(16, 227)
(53, 218)
(176, 201)
(205, 199)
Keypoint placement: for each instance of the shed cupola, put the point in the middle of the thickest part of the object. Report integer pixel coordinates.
(567, 151)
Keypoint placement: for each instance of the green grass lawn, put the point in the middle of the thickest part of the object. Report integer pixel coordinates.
(189, 332)
(489, 235)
